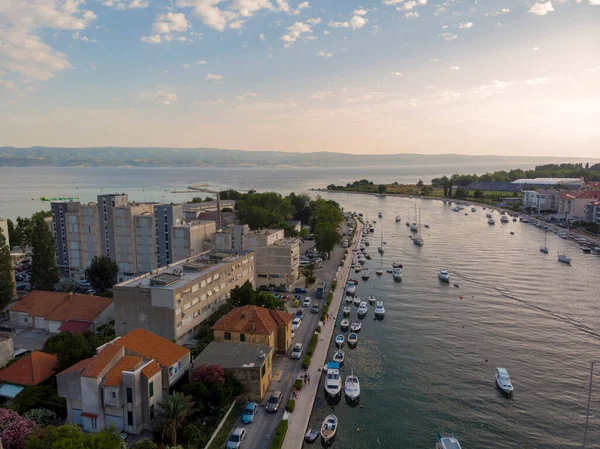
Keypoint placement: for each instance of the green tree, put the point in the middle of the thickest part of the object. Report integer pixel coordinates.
(478, 193)
(44, 272)
(102, 273)
(231, 195)
(264, 210)
(144, 443)
(212, 390)
(460, 192)
(309, 274)
(381, 188)
(326, 236)
(68, 285)
(420, 183)
(245, 295)
(70, 436)
(175, 409)
(69, 348)
(7, 284)
(302, 206)
(39, 396)
(426, 190)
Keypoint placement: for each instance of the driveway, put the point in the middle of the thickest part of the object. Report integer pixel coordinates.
(32, 339)
(285, 369)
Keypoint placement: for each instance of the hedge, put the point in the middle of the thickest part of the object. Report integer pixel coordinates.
(312, 345)
(290, 406)
(318, 329)
(333, 285)
(306, 362)
(330, 297)
(298, 384)
(282, 428)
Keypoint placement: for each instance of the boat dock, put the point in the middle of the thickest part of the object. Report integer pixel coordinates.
(299, 419)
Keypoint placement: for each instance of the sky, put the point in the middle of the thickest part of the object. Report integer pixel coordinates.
(511, 77)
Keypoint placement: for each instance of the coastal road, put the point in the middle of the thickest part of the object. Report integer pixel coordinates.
(285, 369)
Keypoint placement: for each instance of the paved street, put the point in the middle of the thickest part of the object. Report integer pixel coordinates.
(285, 369)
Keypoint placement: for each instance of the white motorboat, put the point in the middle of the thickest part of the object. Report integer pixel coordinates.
(372, 299)
(347, 310)
(348, 298)
(339, 340)
(345, 324)
(365, 274)
(504, 219)
(455, 209)
(339, 357)
(329, 428)
(350, 288)
(357, 268)
(379, 272)
(491, 221)
(333, 382)
(361, 260)
(544, 248)
(488, 215)
(356, 326)
(352, 339)
(447, 441)
(473, 209)
(362, 309)
(356, 301)
(362, 246)
(397, 265)
(397, 274)
(379, 309)
(352, 387)
(503, 380)
(564, 259)
(414, 228)
(444, 276)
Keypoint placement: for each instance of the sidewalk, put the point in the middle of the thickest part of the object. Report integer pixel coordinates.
(298, 421)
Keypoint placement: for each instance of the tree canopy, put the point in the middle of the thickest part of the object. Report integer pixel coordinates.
(70, 436)
(264, 210)
(44, 272)
(7, 283)
(245, 294)
(102, 273)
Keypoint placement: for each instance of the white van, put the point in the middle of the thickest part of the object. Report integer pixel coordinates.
(345, 243)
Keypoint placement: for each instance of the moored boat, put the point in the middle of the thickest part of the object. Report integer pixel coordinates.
(311, 435)
(444, 276)
(356, 326)
(491, 221)
(397, 274)
(352, 339)
(339, 340)
(362, 309)
(339, 357)
(356, 301)
(346, 310)
(350, 288)
(345, 324)
(379, 309)
(352, 387)
(503, 380)
(329, 428)
(372, 299)
(379, 272)
(333, 382)
(365, 274)
(447, 441)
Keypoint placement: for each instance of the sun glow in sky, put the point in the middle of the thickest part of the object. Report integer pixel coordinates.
(514, 77)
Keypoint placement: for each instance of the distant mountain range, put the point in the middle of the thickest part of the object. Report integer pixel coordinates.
(213, 157)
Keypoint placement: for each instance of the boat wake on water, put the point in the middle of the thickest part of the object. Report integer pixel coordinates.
(506, 293)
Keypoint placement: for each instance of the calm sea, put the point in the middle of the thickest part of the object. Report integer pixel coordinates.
(21, 188)
(429, 365)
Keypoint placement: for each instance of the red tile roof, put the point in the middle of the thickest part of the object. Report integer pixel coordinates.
(58, 306)
(582, 195)
(150, 369)
(151, 346)
(75, 327)
(30, 370)
(127, 363)
(101, 360)
(79, 366)
(252, 320)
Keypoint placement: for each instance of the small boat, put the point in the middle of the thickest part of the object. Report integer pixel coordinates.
(473, 209)
(347, 310)
(367, 243)
(514, 218)
(333, 381)
(512, 233)
(447, 441)
(372, 300)
(414, 228)
(586, 249)
(356, 326)
(491, 221)
(488, 215)
(348, 298)
(350, 288)
(564, 259)
(379, 272)
(455, 209)
(397, 274)
(365, 274)
(503, 380)
(352, 387)
(345, 324)
(397, 265)
(311, 436)
(379, 309)
(356, 301)
(398, 219)
(426, 225)
(444, 276)
(329, 428)
(362, 310)
(408, 223)
(339, 357)
(339, 340)
(380, 214)
(352, 338)
(504, 219)
(389, 271)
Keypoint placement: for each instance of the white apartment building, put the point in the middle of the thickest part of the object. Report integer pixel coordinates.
(188, 239)
(173, 301)
(541, 200)
(134, 231)
(83, 238)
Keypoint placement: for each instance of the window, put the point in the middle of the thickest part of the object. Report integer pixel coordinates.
(114, 395)
(129, 395)
(130, 418)
(151, 389)
(227, 335)
(242, 337)
(152, 412)
(263, 370)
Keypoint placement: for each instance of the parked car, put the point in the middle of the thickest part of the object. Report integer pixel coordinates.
(300, 290)
(300, 313)
(314, 308)
(281, 289)
(5, 328)
(21, 352)
(274, 401)
(236, 438)
(249, 412)
(297, 351)
(296, 322)
(306, 302)
(264, 288)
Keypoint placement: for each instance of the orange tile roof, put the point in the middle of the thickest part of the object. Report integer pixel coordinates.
(58, 306)
(252, 320)
(151, 346)
(101, 360)
(79, 366)
(150, 369)
(127, 363)
(31, 369)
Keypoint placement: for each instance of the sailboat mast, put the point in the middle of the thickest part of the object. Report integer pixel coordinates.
(587, 414)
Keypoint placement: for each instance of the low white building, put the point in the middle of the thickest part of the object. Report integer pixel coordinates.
(541, 200)
(188, 239)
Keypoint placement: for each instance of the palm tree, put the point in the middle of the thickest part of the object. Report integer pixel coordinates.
(175, 409)
(309, 274)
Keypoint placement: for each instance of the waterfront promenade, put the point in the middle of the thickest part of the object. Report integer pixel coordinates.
(298, 421)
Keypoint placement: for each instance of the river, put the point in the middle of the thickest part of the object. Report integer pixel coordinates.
(429, 366)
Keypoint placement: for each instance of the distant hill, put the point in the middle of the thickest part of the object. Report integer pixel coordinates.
(213, 157)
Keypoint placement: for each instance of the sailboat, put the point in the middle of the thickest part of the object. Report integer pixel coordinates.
(563, 257)
(544, 248)
(413, 226)
(380, 249)
(417, 240)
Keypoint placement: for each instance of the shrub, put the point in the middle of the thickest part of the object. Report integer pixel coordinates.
(211, 374)
(298, 384)
(330, 297)
(334, 284)
(306, 362)
(318, 329)
(144, 443)
(282, 428)
(312, 345)
(15, 434)
(41, 416)
(192, 434)
(290, 406)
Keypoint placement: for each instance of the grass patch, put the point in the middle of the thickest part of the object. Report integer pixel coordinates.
(229, 424)
(282, 428)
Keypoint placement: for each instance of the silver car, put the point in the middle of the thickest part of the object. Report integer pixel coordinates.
(274, 401)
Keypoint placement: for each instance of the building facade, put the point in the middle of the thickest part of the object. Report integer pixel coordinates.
(592, 212)
(173, 301)
(542, 200)
(60, 210)
(166, 216)
(188, 239)
(574, 203)
(4, 231)
(106, 205)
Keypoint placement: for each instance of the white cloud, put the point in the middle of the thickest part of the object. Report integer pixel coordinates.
(376, 28)
(448, 36)
(454, 67)
(283, 5)
(410, 4)
(262, 37)
(358, 20)
(320, 95)
(541, 9)
(360, 12)
(535, 48)
(411, 15)
(213, 77)
(160, 96)
(115, 99)
(233, 14)
(497, 13)
(186, 66)
(366, 97)
(299, 30)
(201, 62)
(214, 102)
(465, 25)
(594, 2)
(326, 32)
(397, 73)
(324, 54)
(538, 81)
(591, 70)
(122, 4)
(22, 51)
(246, 95)
(168, 27)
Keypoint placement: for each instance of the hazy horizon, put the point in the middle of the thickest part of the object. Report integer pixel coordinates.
(511, 78)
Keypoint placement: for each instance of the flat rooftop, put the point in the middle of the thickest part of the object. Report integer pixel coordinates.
(233, 355)
(181, 273)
